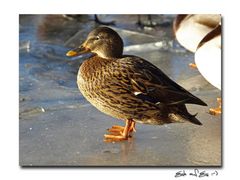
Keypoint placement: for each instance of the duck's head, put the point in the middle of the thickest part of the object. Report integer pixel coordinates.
(103, 41)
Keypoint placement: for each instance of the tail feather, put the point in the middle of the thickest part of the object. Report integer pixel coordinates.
(196, 100)
(193, 119)
(182, 115)
(184, 118)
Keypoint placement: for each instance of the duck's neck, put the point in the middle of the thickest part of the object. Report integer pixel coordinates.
(109, 56)
(94, 65)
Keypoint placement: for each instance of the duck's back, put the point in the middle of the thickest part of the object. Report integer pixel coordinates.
(154, 83)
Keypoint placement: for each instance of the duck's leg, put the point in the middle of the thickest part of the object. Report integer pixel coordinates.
(119, 129)
(218, 110)
(119, 133)
(132, 127)
(139, 22)
(150, 22)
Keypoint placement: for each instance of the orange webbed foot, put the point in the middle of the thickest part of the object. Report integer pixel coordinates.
(192, 65)
(114, 138)
(120, 133)
(116, 129)
(218, 110)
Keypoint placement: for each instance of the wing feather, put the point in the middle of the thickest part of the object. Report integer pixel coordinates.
(154, 86)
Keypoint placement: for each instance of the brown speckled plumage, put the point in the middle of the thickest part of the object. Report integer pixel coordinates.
(129, 87)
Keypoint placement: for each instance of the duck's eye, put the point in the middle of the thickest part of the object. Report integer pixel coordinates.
(97, 38)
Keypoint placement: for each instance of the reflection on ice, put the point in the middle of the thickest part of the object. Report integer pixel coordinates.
(24, 46)
(48, 51)
(161, 45)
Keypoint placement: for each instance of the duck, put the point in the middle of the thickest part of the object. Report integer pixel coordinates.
(190, 29)
(208, 60)
(128, 87)
(201, 34)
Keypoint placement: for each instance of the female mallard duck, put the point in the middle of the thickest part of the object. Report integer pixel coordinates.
(129, 87)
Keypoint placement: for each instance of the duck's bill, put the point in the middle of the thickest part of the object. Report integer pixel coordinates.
(78, 51)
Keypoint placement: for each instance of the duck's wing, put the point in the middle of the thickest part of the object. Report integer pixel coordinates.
(149, 83)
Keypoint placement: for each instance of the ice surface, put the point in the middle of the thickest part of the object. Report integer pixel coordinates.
(58, 127)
